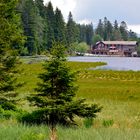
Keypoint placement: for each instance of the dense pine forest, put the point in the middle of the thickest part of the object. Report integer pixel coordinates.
(42, 25)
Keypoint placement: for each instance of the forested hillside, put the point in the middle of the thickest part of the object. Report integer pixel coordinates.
(116, 31)
(42, 25)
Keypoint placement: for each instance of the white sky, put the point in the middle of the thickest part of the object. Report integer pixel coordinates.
(135, 28)
(87, 11)
(64, 5)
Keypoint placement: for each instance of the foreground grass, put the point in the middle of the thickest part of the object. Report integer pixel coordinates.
(117, 91)
(24, 132)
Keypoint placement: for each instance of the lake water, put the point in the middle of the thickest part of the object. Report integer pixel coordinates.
(113, 63)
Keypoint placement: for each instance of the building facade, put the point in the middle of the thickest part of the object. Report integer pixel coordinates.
(120, 48)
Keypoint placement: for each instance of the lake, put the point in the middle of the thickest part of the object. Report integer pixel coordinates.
(113, 63)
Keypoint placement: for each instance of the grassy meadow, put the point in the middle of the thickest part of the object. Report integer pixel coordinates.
(117, 91)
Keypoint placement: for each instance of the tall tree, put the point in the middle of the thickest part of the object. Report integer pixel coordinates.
(123, 30)
(82, 33)
(109, 30)
(50, 21)
(25, 8)
(89, 34)
(59, 27)
(116, 34)
(100, 28)
(116, 27)
(55, 98)
(41, 7)
(33, 26)
(105, 23)
(10, 35)
(72, 31)
(42, 25)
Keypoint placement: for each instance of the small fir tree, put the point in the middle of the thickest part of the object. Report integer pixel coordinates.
(55, 98)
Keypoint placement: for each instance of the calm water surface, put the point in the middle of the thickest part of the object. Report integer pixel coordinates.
(113, 63)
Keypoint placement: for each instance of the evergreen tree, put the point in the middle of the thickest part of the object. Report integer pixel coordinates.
(89, 34)
(55, 94)
(100, 28)
(42, 25)
(116, 27)
(105, 28)
(59, 27)
(72, 31)
(123, 30)
(116, 35)
(82, 33)
(10, 34)
(25, 7)
(41, 7)
(109, 29)
(32, 24)
(50, 22)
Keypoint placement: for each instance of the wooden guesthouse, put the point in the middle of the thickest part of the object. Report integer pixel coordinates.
(120, 48)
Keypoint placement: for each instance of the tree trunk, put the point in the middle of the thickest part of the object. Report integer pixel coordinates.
(53, 134)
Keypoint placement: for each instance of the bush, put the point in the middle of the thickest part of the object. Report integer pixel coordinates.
(82, 48)
(33, 118)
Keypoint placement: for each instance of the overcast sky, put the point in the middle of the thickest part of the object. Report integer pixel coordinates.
(87, 11)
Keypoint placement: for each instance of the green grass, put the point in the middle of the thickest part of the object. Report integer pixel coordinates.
(31, 71)
(11, 131)
(117, 91)
(24, 132)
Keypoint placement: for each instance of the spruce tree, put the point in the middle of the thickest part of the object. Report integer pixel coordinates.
(82, 34)
(10, 35)
(123, 30)
(41, 7)
(116, 27)
(72, 31)
(33, 25)
(105, 35)
(50, 22)
(109, 30)
(59, 27)
(89, 33)
(42, 26)
(100, 28)
(55, 98)
(116, 32)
